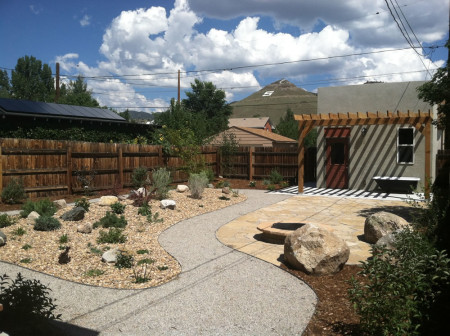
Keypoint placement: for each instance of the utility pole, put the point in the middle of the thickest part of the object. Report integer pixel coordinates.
(57, 83)
(178, 86)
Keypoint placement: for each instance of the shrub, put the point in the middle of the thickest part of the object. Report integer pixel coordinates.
(26, 301)
(142, 251)
(113, 236)
(209, 174)
(197, 183)
(93, 272)
(83, 203)
(111, 220)
(271, 187)
(14, 192)
(275, 177)
(161, 181)
(43, 207)
(140, 276)
(118, 208)
(401, 286)
(139, 177)
(63, 239)
(252, 184)
(45, 223)
(6, 221)
(25, 260)
(124, 261)
(26, 247)
(19, 231)
(144, 210)
(147, 261)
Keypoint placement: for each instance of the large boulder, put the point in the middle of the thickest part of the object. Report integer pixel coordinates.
(381, 224)
(61, 203)
(2, 238)
(108, 200)
(315, 251)
(85, 227)
(76, 214)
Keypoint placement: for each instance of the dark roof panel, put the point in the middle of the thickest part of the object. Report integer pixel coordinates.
(51, 109)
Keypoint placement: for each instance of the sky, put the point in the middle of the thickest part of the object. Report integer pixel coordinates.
(129, 52)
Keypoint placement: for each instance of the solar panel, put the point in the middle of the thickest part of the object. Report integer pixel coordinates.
(52, 109)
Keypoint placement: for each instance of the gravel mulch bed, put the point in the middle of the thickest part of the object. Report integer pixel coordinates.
(39, 250)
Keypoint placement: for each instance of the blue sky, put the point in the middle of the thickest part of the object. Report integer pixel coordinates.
(130, 51)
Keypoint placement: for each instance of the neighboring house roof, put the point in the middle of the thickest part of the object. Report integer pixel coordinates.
(268, 135)
(249, 122)
(28, 108)
(273, 101)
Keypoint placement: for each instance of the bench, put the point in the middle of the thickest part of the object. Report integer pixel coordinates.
(401, 184)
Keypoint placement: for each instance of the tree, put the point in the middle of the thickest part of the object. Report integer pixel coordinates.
(288, 127)
(437, 91)
(76, 93)
(32, 80)
(5, 87)
(208, 108)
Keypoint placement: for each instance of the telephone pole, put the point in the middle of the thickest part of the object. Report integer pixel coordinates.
(178, 86)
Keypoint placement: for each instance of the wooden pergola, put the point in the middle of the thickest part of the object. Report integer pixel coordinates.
(420, 120)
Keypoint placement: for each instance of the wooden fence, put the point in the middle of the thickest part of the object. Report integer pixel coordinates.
(49, 167)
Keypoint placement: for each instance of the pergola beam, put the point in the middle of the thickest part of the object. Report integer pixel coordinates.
(420, 120)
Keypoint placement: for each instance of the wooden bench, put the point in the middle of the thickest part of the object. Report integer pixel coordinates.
(402, 184)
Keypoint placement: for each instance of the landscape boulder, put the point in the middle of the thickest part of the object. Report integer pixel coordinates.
(85, 227)
(107, 200)
(210, 185)
(181, 188)
(226, 190)
(2, 238)
(380, 224)
(60, 204)
(315, 251)
(32, 216)
(168, 204)
(76, 214)
(110, 256)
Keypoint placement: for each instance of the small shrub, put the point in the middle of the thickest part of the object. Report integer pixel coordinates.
(284, 184)
(63, 239)
(6, 221)
(266, 182)
(111, 220)
(252, 184)
(83, 203)
(271, 187)
(45, 223)
(113, 236)
(209, 174)
(224, 198)
(139, 177)
(142, 251)
(26, 301)
(26, 247)
(118, 208)
(62, 247)
(235, 193)
(275, 177)
(226, 184)
(154, 218)
(197, 184)
(86, 176)
(43, 207)
(14, 192)
(161, 180)
(144, 210)
(124, 261)
(140, 276)
(146, 261)
(163, 268)
(95, 250)
(26, 260)
(19, 231)
(141, 200)
(94, 272)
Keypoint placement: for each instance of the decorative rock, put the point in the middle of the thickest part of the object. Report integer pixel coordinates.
(75, 214)
(110, 256)
(181, 188)
(60, 204)
(226, 190)
(380, 224)
(315, 251)
(168, 204)
(107, 200)
(2, 238)
(85, 228)
(32, 216)
(210, 185)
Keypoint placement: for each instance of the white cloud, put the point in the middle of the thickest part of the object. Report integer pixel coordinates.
(36, 9)
(85, 20)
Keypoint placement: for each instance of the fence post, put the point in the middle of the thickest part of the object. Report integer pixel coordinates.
(69, 170)
(218, 163)
(120, 165)
(250, 163)
(1, 170)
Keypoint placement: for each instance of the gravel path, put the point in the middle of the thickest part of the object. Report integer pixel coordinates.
(219, 292)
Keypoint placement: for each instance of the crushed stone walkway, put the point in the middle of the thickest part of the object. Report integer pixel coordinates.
(220, 291)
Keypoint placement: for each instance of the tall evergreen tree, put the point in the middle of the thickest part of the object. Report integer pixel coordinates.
(32, 80)
(287, 126)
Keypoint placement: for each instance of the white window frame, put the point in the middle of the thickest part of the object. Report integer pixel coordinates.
(406, 145)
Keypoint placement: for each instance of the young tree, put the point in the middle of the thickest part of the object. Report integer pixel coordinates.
(288, 127)
(77, 93)
(32, 80)
(437, 91)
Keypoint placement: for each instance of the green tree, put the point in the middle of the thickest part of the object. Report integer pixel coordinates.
(77, 93)
(208, 107)
(32, 80)
(5, 87)
(288, 127)
(176, 117)
(437, 91)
